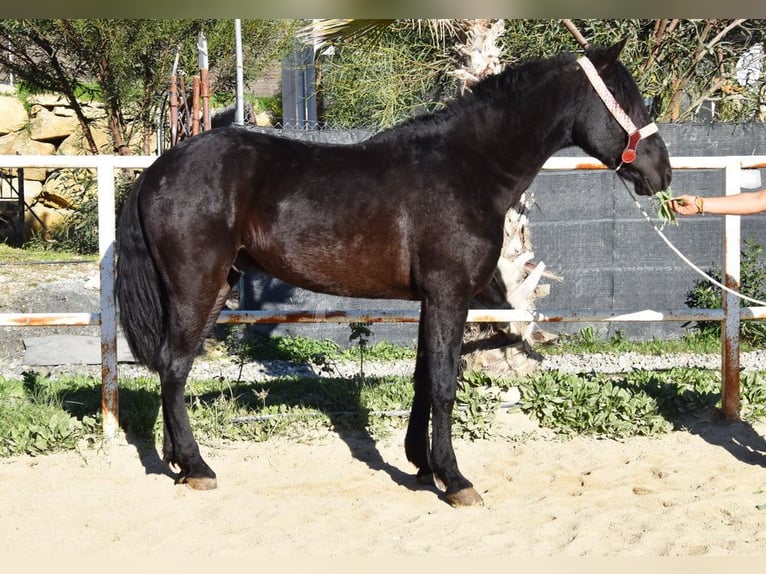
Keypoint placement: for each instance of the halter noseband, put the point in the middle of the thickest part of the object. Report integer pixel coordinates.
(634, 135)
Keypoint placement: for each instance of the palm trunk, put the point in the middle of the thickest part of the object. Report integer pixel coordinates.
(501, 349)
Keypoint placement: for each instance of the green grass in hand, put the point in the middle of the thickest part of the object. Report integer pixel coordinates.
(664, 211)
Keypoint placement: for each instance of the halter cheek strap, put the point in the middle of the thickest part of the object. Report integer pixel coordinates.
(634, 135)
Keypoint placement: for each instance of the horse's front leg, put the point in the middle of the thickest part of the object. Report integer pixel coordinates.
(441, 336)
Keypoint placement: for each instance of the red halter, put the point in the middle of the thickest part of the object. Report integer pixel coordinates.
(634, 135)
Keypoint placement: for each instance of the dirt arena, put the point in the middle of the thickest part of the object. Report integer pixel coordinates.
(689, 493)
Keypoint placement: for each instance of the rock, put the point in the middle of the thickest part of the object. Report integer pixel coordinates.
(13, 115)
(48, 100)
(18, 143)
(43, 219)
(47, 126)
(75, 143)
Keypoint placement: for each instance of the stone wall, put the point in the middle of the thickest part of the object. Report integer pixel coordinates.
(46, 125)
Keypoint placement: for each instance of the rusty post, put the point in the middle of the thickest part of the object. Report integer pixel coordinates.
(730, 396)
(106, 238)
(195, 106)
(205, 95)
(173, 110)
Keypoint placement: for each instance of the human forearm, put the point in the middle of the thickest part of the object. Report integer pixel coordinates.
(745, 203)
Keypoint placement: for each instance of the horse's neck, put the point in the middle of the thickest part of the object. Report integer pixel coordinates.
(516, 138)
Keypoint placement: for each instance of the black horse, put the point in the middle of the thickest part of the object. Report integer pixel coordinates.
(415, 212)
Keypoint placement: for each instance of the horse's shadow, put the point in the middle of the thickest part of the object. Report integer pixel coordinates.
(350, 424)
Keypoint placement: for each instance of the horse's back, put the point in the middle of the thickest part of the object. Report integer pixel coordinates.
(347, 219)
(303, 212)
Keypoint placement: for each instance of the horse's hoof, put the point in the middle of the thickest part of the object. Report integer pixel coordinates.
(465, 497)
(202, 483)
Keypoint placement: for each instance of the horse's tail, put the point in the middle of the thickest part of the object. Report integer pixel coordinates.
(138, 287)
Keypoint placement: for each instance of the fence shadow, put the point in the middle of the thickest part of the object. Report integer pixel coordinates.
(697, 413)
(738, 438)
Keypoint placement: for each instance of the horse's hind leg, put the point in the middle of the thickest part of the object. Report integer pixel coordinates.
(416, 441)
(188, 326)
(180, 448)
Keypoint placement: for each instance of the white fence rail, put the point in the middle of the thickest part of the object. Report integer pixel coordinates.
(730, 314)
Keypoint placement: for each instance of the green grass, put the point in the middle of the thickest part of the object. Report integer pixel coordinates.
(586, 341)
(39, 415)
(9, 254)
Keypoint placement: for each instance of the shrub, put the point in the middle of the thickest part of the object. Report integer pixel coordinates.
(705, 295)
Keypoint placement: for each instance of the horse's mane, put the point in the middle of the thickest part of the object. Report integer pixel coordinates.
(501, 88)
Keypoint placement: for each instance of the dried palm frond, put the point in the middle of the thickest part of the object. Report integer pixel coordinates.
(333, 29)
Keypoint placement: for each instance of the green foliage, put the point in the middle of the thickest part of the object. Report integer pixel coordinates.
(35, 418)
(571, 404)
(752, 396)
(380, 351)
(296, 349)
(704, 295)
(476, 405)
(640, 403)
(588, 341)
(405, 74)
(299, 349)
(678, 64)
(271, 104)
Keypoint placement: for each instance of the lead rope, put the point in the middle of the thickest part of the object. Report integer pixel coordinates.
(682, 256)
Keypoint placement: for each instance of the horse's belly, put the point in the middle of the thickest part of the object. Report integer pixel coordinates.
(373, 263)
(345, 281)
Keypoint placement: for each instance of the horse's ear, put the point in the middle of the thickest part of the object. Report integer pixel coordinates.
(610, 55)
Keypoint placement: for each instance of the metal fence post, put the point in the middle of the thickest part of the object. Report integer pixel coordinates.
(730, 395)
(106, 236)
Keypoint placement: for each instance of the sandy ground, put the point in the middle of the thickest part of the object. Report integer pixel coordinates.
(698, 492)
(690, 493)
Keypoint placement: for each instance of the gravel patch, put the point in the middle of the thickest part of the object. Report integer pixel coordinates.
(627, 362)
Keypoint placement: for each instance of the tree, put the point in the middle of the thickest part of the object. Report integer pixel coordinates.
(126, 63)
(677, 63)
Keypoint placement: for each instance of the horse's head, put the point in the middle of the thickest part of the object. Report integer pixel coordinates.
(614, 126)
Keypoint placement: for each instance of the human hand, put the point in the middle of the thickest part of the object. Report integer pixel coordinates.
(684, 204)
